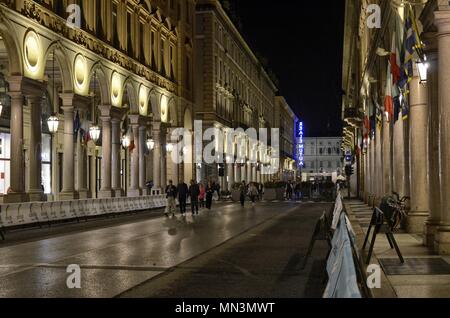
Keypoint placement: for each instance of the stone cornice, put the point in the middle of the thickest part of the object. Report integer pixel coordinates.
(84, 39)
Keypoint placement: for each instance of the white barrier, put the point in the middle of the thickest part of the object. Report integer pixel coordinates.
(343, 282)
(18, 214)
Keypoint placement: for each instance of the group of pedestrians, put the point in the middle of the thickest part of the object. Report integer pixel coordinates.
(201, 196)
(252, 190)
(293, 191)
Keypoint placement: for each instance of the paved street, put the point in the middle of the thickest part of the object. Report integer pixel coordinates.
(229, 252)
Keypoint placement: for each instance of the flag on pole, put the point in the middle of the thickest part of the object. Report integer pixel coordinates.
(412, 45)
(394, 60)
(388, 102)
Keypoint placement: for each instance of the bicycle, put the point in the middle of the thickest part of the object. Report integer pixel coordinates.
(394, 209)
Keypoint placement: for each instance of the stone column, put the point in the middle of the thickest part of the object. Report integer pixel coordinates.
(35, 191)
(68, 190)
(442, 21)
(378, 165)
(115, 158)
(163, 159)
(230, 174)
(418, 157)
(16, 191)
(434, 219)
(157, 156)
(237, 173)
(372, 159)
(81, 166)
(387, 173)
(249, 173)
(253, 173)
(134, 190)
(399, 158)
(106, 184)
(142, 166)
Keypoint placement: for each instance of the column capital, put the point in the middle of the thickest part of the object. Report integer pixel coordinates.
(136, 119)
(74, 101)
(156, 126)
(26, 85)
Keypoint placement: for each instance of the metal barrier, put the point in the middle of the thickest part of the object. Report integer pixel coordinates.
(381, 225)
(35, 213)
(345, 279)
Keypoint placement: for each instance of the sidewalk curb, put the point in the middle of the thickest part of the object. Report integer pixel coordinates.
(386, 290)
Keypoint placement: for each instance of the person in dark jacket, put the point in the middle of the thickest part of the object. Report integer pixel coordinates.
(171, 195)
(194, 193)
(183, 192)
(209, 195)
(243, 193)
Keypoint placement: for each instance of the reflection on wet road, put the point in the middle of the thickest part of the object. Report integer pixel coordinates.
(117, 258)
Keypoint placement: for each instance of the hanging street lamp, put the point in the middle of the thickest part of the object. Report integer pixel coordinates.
(150, 144)
(126, 142)
(94, 133)
(53, 124)
(169, 147)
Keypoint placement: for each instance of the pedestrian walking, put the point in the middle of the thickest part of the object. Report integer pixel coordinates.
(171, 195)
(209, 195)
(202, 195)
(298, 188)
(260, 191)
(289, 191)
(252, 192)
(243, 193)
(194, 193)
(183, 192)
(217, 188)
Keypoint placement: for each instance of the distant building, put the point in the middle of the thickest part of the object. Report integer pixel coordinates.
(285, 119)
(322, 155)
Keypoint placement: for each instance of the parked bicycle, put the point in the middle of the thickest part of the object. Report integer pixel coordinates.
(394, 209)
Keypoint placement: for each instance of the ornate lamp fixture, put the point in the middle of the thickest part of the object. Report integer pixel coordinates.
(150, 144)
(169, 147)
(94, 131)
(126, 142)
(53, 123)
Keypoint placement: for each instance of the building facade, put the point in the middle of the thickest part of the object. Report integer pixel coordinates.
(232, 91)
(408, 154)
(125, 77)
(89, 110)
(322, 155)
(286, 119)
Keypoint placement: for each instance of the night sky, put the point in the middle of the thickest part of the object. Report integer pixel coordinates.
(302, 41)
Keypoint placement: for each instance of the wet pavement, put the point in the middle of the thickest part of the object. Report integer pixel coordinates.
(144, 258)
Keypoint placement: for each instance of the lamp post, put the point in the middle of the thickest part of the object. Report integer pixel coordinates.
(126, 142)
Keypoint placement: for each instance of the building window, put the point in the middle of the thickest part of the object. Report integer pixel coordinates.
(161, 48)
(188, 73)
(114, 35)
(153, 48)
(130, 34)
